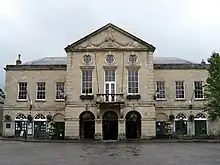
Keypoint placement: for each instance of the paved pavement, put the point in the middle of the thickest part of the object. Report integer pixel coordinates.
(20, 153)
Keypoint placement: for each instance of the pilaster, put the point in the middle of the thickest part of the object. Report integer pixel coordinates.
(72, 129)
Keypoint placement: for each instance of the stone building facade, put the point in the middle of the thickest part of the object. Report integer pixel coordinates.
(109, 86)
(1, 114)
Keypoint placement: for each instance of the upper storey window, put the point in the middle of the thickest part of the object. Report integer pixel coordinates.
(132, 59)
(22, 91)
(180, 93)
(160, 92)
(60, 87)
(86, 82)
(198, 87)
(110, 59)
(41, 91)
(133, 82)
(87, 59)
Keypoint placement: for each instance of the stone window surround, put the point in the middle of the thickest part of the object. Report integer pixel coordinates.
(58, 85)
(108, 56)
(86, 68)
(133, 67)
(162, 84)
(20, 91)
(178, 84)
(134, 55)
(41, 91)
(196, 90)
(84, 61)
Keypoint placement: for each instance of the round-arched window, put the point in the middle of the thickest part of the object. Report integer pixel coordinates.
(110, 59)
(132, 59)
(87, 59)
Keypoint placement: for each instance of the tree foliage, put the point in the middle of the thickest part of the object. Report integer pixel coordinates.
(2, 93)
(212, 87)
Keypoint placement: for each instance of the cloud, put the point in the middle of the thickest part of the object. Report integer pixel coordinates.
(38, 28)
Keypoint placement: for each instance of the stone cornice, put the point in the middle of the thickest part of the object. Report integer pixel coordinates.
(63, 67)
(35, 67)
(132, 67)
(109, 49)
(181, 66)
(110, 67)
(86, 67)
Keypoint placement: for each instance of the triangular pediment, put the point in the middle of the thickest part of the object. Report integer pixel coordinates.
(109, 36)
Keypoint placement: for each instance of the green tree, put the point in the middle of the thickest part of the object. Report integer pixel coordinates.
(212, 87)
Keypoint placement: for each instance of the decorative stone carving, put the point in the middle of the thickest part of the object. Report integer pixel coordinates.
(122, 136)
(98, 136)
(109, 41)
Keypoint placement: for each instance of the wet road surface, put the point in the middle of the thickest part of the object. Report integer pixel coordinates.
(19, 153)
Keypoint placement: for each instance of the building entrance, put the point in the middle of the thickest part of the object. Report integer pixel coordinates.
(110, 126)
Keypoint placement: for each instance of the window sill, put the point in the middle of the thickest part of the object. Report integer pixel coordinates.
(86, 97)
(59, 100)
(162, 99)
(20, 100)
(199, 99)
(134, 97)
(40, 100)
(180, 99)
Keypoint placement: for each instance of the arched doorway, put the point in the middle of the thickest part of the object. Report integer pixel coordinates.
(162, 125)
(59, 121)
(20, 124)
(200, 124)
(181, 124)
(87, 125)
(40, 126)
(133, 125)
(110, 126)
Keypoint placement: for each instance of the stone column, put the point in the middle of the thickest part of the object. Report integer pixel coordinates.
(148, 129)
(121, 129)
(72, 129)
(98, 129)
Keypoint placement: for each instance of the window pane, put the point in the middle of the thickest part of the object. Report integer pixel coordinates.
(198, 89)
(86, 81)
(60, 87)
(133, 82)
(180, 89)
(22, 90)
(109, 75)
(41, 90)
(160, 89)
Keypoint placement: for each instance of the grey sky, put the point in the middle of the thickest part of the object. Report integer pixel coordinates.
(37, 28)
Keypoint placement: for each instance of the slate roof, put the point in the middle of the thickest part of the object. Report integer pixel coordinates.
(62, 61)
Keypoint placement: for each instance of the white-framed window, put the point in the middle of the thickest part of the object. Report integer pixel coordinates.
(133, 82)
(198, 90)
(60, 90)
(160, 90)
(86, 82)
(110, 85)
(41, 91)
(180, 89)
(22, 91)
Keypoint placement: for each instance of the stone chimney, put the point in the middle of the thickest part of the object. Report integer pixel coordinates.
(203, 61)
(18, 61)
